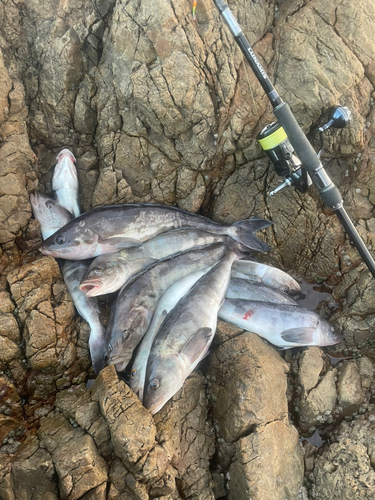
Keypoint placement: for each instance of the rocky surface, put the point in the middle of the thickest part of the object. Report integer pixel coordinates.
(160, 108)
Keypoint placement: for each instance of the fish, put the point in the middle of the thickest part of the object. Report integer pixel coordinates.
(88, 308)
(132, 312)
(105, 230)
(244, 289)
(284, 325)
(108, 273)
(186, 334)
(266, 275)
(50, 214)
(65, 182)
(238, 288)
(168, 301)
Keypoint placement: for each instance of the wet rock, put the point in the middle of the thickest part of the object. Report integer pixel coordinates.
(123, 484)
(238, 403)
(318, 395)
(268, 464)
(367, 371)
(33, 467)
(349, 389)
(344, 468)
(131, 426)
(79, 466)
(76, 405)
(188, 439)
(311, 366)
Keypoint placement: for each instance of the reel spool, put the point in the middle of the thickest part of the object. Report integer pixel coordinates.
(276, 145)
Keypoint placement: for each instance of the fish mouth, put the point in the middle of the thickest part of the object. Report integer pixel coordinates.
(91, 288)
(119, 362)
(45, 251)
(65, 152)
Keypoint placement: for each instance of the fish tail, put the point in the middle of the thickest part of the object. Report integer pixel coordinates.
(244, 231)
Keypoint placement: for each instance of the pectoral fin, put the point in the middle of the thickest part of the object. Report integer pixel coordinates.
(301, 335)
(196, 344)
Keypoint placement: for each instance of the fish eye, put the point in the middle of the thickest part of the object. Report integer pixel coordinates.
(60, 239)
(48, 204)
(133, 373)
(125, 335)
(97, 270)
(154, 384)
(286, 289)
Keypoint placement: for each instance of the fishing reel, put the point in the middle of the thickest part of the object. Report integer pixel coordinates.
(278, 148)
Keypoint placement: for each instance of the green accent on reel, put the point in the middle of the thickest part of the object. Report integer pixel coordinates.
(273, 140)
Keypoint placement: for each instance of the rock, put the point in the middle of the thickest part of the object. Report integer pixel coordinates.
(33, 467)
(268, 464)
(131, 426)
(343, 470)
(188, 439)
(350, 393)
(123, 484)
(367, 371)
(76, 404)
(79, 466)
(238, 403)
(311, 365)
(317, 389)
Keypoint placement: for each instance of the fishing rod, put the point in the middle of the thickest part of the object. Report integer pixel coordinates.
(288, 147)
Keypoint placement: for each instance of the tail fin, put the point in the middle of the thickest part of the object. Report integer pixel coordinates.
(244, 231)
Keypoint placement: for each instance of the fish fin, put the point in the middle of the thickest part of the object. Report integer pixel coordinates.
(196, 344)
(301, 335)
(243, 232)
(120, 242)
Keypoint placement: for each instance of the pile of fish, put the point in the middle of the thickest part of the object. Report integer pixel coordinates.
(176, 273)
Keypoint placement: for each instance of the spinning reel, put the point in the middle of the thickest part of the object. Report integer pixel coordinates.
(288, 147)
(278, 148)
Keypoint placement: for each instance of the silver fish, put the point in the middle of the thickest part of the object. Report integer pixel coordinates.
(283, 325)
(73, 272)
(165, 304)
(185, 335)
(108, 273)
(109, 229)
(243, 289)
(132, 313)
(65, 182)
(50, 214)
(266, 275)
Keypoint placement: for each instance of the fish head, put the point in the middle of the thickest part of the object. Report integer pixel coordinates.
(164, 377)
(73, 241)
(106, 274)
(49, 212)
(125, 335)
(327, 334)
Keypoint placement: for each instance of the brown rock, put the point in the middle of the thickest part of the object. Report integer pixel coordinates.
(33, 473)
(131, 426)
(349, 389)
(268, 464)
(319, 400)
(188, 438)
(238, 403)
(78, 464)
